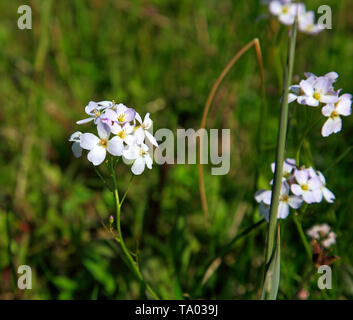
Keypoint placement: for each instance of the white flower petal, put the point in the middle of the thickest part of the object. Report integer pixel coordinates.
(327, 109)
(310, 101)
(148, 161)
(103, 130)
(84, 121)
(275, 7)
(105, 104)
(138, 118)
(151, 138)
(131, 152)
(76, 136)
(115, 146)
(295, 202)
(283, 210)
(265, 211)
(284, 188)
(332, 76)
(97, 155)
(147, 121)
(296, 189)
(139, 166)
(139, 135)
(120, 108)
(317, 194)
(331, 126)
(329, 98)
(322, 84)
(328, 195)
(344, 106)
(292, 97)
(301, 176)
(307, 87)
(89, 141)
(308, 197)
(76, 149)
(314, 183)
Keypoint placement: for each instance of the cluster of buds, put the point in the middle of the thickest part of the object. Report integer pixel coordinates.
(286, 11)
(322, 233)
(299, 185)
(129, 134)
(314, 91)
(322, 239)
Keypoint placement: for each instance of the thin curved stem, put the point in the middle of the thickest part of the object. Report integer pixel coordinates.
(127, 190)
(132, 263)
(255, 42)
(302, 235)
(102, 178)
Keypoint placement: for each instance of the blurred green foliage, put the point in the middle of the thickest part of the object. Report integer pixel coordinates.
(161, 57)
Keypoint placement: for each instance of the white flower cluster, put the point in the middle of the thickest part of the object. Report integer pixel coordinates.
(286, 12)
(314, 91)
(128, 132)
(299, 185)
(323, 234)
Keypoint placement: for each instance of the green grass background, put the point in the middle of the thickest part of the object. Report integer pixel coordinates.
(161, 57)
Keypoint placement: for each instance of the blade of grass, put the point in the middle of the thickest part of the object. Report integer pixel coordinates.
(271, 283)
(281, 146)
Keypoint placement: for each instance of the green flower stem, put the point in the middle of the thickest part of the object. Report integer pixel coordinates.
(302, 235)
(132, 263)
(281, 145)
(102, 178)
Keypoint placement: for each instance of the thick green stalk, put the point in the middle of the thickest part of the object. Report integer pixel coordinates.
(281, 146)
(132, 263)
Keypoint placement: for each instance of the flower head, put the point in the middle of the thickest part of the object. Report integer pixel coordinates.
(128, 130)
(94, 110)
(285, 201)
(98, 146)
(316, 91)
(121, 115)
(323, 234)
(289, 166)
(284, 10)
(142, 130)
(306, 22)
(334, 111)
(139, 156)
(307, 186)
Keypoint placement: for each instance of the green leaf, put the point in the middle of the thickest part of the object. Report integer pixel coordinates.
(271, 283)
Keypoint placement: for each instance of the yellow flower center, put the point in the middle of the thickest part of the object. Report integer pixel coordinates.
(103, 143)
(122, 134)
(310, 27)
(334, 114)
(305, 187)
(142, 152)
(96, 113)
(121, 117)
(317, 95)
(284, 198)
(285, 9)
